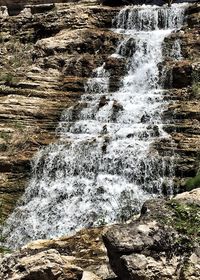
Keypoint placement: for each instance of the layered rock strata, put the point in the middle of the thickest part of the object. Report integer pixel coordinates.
(46, 56)
(45, 60)
(48, 53)
(182, 90)
(82, 256)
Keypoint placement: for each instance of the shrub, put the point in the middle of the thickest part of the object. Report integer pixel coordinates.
(7, 78)
(193, 183)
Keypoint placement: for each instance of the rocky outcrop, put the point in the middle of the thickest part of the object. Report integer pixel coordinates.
(47, 54)
(45, 265)
(82, 256)
(182, 119)
(46, 57)
(162, 244)
(16, 6)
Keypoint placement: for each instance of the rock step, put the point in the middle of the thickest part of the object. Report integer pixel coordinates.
(63, 96)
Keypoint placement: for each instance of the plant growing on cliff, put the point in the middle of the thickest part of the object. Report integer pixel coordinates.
(8, 78)
(186, 218)
(193, 183)
(196, 89)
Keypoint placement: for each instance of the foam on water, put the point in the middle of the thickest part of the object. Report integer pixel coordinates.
(104, 166)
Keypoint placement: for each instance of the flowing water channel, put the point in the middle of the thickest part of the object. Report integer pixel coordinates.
(104, 166)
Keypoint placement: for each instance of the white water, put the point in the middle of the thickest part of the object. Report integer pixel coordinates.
(104, 166)
(176, 50)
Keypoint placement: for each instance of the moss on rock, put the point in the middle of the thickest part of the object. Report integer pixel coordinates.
(193, 183)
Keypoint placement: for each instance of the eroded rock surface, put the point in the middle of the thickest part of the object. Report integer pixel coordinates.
(82, 256)
(46, 57)
(162, 244)
(45, 265)
(182, 119)
(47, 54)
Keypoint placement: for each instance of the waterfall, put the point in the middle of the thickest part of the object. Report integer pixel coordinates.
(104, 165)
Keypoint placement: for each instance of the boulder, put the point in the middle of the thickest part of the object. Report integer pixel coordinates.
(162, 244)
(47, 265)
(85, 249)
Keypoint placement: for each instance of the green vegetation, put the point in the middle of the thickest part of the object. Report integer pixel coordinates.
(193, 183)
(196, 88)
(5, 135)
(18, 125)
(186, 219)
(8, 78)
(18, 56)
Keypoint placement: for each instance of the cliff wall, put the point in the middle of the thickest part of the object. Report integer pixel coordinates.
(46, 57)
(31, 2)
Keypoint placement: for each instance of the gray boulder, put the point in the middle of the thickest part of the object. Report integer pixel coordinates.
(163, 243)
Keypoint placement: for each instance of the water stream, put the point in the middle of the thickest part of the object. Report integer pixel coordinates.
(104, 166)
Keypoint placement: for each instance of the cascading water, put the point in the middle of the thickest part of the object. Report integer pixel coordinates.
(104, 167)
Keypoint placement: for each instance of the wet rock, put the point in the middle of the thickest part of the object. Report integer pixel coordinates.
(116, 67)
(103, 101)
(116, 108)
(145, 118)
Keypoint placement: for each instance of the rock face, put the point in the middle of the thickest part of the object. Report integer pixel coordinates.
(45, 265)
(85, 248)
(82, 256)
(16, 6)
(141, 2)
(162, 244)
(47, 54)
(182, 90)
